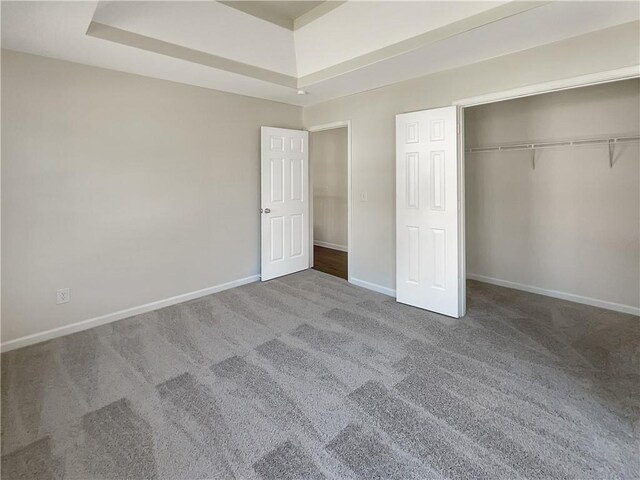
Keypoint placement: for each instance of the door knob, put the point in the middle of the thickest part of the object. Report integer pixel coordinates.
(267, 210)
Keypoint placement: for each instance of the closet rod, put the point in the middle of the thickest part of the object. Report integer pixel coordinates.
(566, 143)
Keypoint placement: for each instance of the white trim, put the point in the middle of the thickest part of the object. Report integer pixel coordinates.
(571, 297)
(319, 128)
(553, 86)
(462, 236)
(330, 126)
(373, 286)
(120, 315)
(332, 246)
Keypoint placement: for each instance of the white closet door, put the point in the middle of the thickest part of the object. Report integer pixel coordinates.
(284, 201)
(429, 226)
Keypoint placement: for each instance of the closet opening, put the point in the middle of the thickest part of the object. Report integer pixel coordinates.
(330, 166)
(552, 195)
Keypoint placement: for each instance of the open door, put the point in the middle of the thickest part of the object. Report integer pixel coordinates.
(429, 218)
(284, 202)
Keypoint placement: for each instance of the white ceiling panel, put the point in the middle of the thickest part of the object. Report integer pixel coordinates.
(59, 30)
(547, 24)
(357, 28)
(208, 27)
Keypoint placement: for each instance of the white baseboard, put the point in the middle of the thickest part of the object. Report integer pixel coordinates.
(373, 286)
(332, 246)
(594, 302)
(120, 315)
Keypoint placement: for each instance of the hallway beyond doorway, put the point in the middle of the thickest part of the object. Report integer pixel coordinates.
(333, 262)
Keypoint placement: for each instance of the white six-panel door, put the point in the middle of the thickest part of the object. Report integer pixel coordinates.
(429, 226)
(284, 202)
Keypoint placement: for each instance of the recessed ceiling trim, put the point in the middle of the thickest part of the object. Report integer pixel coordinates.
(262, 12)
(254, 9)
(316, 13)
(484, 18)
(123, 37)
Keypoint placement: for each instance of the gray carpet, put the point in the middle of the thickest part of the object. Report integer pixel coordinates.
(310, 377)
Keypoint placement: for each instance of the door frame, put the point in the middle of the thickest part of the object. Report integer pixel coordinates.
(320, 128)
(579, 81)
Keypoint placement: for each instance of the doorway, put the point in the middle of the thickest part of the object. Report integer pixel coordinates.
(552, 194)
(329, 156)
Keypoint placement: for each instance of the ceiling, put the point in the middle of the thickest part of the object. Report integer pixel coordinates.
(283, 14)
(273, 49)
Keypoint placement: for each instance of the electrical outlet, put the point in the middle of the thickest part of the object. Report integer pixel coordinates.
(63, 296)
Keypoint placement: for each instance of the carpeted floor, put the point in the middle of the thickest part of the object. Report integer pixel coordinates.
(308, 376)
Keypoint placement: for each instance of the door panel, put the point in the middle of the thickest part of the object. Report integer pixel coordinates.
(284, 202)
(429, 227)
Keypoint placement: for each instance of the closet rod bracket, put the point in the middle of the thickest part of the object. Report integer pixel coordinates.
(611, 150)
(533, 158)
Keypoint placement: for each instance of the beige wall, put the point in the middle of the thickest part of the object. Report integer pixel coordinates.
(130, 190)
(126, 189)
(372, 116)
(329, 176)
(573, 224)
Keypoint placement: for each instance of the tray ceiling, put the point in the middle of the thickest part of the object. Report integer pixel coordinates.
(272, 49)
(290, 15)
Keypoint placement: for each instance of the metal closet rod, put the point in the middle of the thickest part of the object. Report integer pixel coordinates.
(565, 143)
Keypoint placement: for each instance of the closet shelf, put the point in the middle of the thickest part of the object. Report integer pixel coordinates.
(565, 143)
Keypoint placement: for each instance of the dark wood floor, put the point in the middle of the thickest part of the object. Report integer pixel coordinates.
(333, 262)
